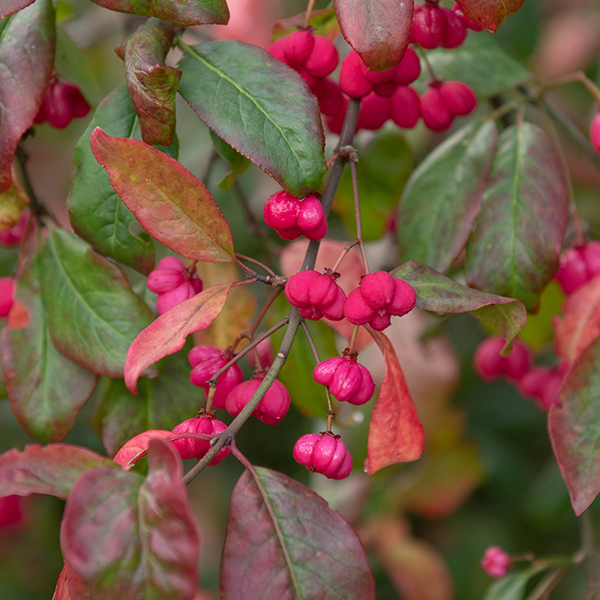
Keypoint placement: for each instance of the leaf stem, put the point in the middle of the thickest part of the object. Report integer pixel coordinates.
(309, 9)
(423, 54)
(359, 234)
(547, 584)
(255, 262)
(342, 255)
(354, 336)
(579, 76)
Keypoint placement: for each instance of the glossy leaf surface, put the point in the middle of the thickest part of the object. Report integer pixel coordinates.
(49, 470)
(93, 316)
(45, 389)
(443, 196)
(167, 334)
(489, 14)
(518, 236)
(152, 85)
(182, 12)
(574, 428)
(169, 202)
(440, 294)
(395, 432)
(97, 214)
(27, 43)
(12, 203)
(260, 107)
(378, 30)
(288, 543)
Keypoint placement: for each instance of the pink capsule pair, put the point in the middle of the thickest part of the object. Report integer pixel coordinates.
(543, 385)
(325, 454)
(272, 407)
(578, 266)
(198, 448)
(173, 284)
(62, 103)
(434, 27)
(444, 101)
(489, 365)
(291, 217)
(379, 297)
(317, 295)
(348, 380)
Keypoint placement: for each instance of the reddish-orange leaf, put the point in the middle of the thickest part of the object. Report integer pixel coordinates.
(395, 433)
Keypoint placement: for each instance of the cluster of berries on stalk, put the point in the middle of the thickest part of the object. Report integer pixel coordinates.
(173, 283)
(388, 94)
(62, 103)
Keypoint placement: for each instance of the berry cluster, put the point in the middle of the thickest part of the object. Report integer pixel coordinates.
(62, 103)
(316, 295)
(578, 266)
(496, 562)
(198, 448)
(292, 217)
(434, 26)
(324, 453)
(173, 283)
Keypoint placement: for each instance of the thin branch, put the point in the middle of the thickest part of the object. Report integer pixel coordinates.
(311, 342)
(547, 584)
(255, 262)
(309, 9)
(423, 54)
(359, 235)
(579, 76)
(213, 157)
(342, 255)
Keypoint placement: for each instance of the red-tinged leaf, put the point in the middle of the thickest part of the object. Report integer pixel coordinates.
(170, 203)
(168, 333)
(46, 390)
(152, 85)
(395, 433)
(181, 12)
(129, 537)
(580, 324)
(489, 14)
(137, 446)
(440, 294)
(27, 43)
(62, 588)
(283, 541)
(574, 428)
(71, 587)
(378, 30)
(324, 22)
(10, 7)
(46, 470)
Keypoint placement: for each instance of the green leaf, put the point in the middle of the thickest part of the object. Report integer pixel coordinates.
(237, 162)
(512, 586)
(152, 85)
(440, 294)
(97, 214)
(443, 196)
(480, 63)
(45, 389)
(260, 107)
(383, 169)
(93, 316)
(515, 247)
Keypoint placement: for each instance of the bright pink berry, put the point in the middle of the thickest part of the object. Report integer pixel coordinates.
(330, 97)
(206, 361)
(270, 410)
(292, 217)
(347, 379)
(325, 454)
(323, 58)
(58, 106)
(197, 448)
(374, 112)
(495, 562)
(409, 68)
(298, 47)
(7, 290)
(573, 271)
(458, 97)
(434, 111)
(405, 107)
(173, 298)
(276, 50)
(14, 235)
(456, 30)
(281, 211)
(489, 365)
(80, 105)
(591, 256)
(173, 284)
(310, 214)
(316, 295)
(429, 26)
(353, 78)
(595, 132)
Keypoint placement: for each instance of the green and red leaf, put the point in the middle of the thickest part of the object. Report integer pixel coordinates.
(137, 446)
(10, 7)
(489, 14)
(170, 203)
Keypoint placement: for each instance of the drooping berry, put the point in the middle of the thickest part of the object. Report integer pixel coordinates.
(7, 290)
(429, 26)
(206, 361)
(325, 454)
(405, 107)
(291, 217)
(409, 68)
(489, 365)
(353, 78)
(173, 284)
(323, 59)
(298, 47)
(495, 562)
(347, 379)
(265, 355)
(456, 30)
(434, 111)
(316, 295)
(270, 410)
(444, 101)
(595, 132)
(458, 97)
(198, 448)
(13, 236)
(374, 112)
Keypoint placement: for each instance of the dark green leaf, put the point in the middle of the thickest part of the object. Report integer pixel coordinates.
(97, 214)
(45, 389)
(517, 240)
(443, 196)
(93, 316)
(152, 85)
(383, 169)
(440, 294)
(237, 162)
(260, 107)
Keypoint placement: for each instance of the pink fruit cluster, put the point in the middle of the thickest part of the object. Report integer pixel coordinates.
(197, 448)
(173, 284)
(13, 236)
(539, 383)
(270, 410)
(445, 100)
(578, 266)
(317, 295)
(348, 380)
(325, 454)
(62, 103)
(292, 217)
(496, 562)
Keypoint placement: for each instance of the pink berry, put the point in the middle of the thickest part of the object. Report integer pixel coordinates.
(335, 122)
(270, 410)
(489, 365)
(330, 97)
(374, 112)
(384, 83)
(174, 297)
(549, 395)
(405, 107)
(281, 211)
(198, 448)
(276, 50)
(595, 132)
(591, 256)
(10, 510)
(409, 68)
(496, 562)
(310, 214)
(458, 97)
(573, 272)
(80, 106)
(353, 79)
(378, 289)
(518, 362)
(13, 236)
(323, 58)
(7, 290)
(429, 26)
(316, 295)
(456, 31)
(434, 111)
(347, 379)
(58, 106)
(356, 310)
(298, 47)
(531, 385)
(161, 281)
(325, 454)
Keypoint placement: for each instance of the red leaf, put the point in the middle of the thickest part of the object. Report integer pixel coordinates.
(574, 428)
(170, 203)
(581, 322)
(395, 433)
(378, 30)
(10, 7)
(46, 470)
(27, 59)
(167, 334)
(138, 446)
(489, 14)
(283, 541)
